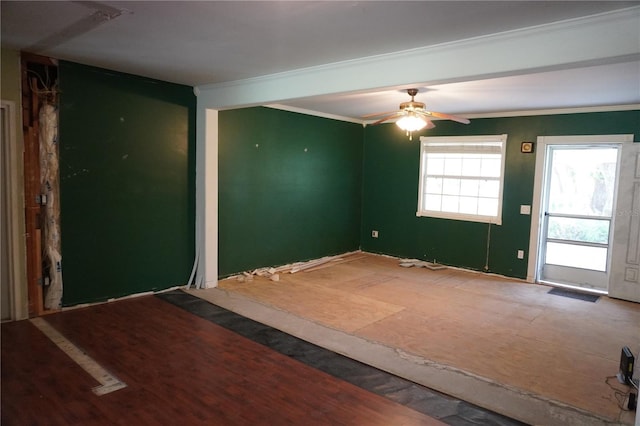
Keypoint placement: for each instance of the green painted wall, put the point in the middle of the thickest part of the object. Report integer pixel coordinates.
(289, 188)
(292, 187)
(127, 171)
(390, 190)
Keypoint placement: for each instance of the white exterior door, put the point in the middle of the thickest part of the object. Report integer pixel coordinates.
(624, 280)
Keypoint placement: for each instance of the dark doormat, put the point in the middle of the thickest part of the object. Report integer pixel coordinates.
(574, 294)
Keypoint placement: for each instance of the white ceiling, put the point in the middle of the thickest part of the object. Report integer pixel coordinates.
(217, 43)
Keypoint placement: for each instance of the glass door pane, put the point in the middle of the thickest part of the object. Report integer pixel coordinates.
(582, 181)
(576, 256)
(579, 229)
(580, 188)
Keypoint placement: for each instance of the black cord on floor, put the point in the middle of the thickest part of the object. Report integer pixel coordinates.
(624, 399)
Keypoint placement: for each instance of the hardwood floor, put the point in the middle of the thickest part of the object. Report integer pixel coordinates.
(512, 333)
(179, 369)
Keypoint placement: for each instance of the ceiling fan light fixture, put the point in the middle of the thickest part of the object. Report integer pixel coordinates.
(411, 123)
(414, 116)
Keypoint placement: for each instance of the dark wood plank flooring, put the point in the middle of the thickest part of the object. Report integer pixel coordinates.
(180, 369)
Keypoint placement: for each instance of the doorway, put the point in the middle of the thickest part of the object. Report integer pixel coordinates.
(577, 179)
(578, 195)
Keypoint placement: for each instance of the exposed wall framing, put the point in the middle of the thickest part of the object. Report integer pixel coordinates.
(39, 89)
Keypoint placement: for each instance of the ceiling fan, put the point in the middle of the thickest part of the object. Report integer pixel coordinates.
(413, 116)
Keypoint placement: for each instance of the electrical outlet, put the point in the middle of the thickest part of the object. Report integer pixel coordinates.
(520, 254)
(374, 234)
(525, 209)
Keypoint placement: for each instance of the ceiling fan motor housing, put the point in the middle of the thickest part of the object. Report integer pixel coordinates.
(411, 106)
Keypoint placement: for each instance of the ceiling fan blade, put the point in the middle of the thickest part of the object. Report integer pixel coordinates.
(375, 114)
(448, 117)
(388, 117)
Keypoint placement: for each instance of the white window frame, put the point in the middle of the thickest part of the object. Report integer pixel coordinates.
(461, 140)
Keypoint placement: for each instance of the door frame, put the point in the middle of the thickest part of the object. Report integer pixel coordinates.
(539, 180)
(12, 156)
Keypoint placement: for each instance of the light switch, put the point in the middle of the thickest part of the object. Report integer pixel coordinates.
(525, 209)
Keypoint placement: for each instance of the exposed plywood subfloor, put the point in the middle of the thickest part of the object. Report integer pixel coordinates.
(507, 331)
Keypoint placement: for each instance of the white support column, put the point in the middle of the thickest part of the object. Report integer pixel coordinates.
(211, 200)
(205, 273)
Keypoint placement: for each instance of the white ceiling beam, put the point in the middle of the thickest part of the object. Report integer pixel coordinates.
(605, 38)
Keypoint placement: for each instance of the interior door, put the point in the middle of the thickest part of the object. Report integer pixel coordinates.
(625, 257)
(578, 200)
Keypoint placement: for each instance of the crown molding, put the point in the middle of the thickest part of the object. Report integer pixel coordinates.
(315, 113)
(555, 111)
(502, 114)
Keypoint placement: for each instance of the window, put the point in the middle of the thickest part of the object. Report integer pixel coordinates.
(461, 177)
